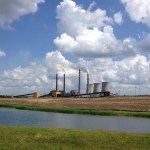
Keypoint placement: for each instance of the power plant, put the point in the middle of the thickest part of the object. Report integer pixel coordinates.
(92, 90)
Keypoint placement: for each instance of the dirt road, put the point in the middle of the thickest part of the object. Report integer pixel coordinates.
(107, 103)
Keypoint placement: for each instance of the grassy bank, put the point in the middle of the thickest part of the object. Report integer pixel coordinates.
(27, 138)
(78, 111)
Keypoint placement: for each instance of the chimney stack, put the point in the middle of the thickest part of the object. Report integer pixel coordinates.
(56, 82)
(79, 86)
(87, 83)
(64, 86)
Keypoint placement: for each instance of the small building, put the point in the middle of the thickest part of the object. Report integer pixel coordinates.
(56, 93)
(36, 95)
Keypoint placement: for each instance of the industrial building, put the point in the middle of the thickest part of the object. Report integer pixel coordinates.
(92, 90)
(56, 93)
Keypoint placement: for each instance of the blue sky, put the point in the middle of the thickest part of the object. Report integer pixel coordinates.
(108, 39)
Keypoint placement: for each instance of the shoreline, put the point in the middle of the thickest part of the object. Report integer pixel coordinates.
(78, 111)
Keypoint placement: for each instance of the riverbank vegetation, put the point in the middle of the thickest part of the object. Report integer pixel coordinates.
(78, 111)
(24, 138)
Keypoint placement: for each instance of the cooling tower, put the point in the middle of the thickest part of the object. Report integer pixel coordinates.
(90, 88)
(97, 87)
(105, 86)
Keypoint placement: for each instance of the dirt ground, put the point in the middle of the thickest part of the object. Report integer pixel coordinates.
(107, 103)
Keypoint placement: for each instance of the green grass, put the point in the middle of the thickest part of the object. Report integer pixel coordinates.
(78, 111)
(27, 138)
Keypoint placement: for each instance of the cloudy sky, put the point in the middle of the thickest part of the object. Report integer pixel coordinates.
(108, 39)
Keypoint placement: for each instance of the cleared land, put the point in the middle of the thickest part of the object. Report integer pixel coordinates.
(141, 104)
(25, 138)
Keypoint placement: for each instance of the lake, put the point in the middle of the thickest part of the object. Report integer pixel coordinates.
(15, 117)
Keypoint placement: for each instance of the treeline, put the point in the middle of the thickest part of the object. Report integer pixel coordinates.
(5, 96)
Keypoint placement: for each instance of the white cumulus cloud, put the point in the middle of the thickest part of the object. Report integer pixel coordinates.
(11, 10)
(76, 19)
(95, 43)
(91, 34)
(138, 10)
(118, 18)
(2, 53)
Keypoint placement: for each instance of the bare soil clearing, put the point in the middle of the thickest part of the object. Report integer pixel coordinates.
(106, 103)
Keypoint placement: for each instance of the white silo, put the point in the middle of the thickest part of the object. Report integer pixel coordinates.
(90, 88)
(105, 87)
(97, 87)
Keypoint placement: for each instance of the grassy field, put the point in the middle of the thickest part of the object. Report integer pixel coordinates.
(27, 138)
(78, 111)
(124, 103)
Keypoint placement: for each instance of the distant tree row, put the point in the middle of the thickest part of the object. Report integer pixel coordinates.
(5, 96)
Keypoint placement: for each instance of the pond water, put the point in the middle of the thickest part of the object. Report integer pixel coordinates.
(14, 117)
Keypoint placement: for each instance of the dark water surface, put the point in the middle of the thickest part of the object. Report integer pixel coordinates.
(14, 117)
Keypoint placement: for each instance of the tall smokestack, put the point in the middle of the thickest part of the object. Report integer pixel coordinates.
(79, 81)
(56, 82)
(87, 83)
(64, 86)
